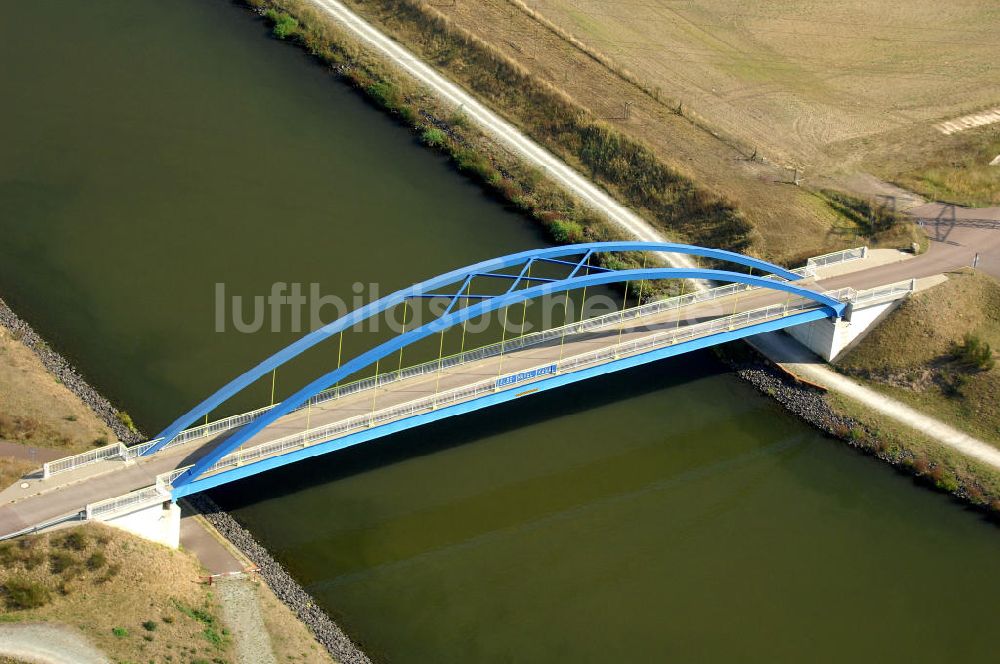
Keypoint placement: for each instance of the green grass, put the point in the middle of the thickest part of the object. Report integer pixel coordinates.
(958, 170)
(25, 594)
(126, 419)
(434, 137)
(936, 465)
(877, 224)
(284, 26)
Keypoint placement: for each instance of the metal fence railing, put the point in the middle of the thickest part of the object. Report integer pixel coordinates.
(885, 293)
(133, 500)
(113, 451)
(835, 258)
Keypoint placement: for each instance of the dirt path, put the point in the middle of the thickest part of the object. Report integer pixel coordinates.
(48, 644)
(791, 355)
(241, 611)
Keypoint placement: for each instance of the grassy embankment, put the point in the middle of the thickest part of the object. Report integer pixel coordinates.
(878, 222)
(134, 600)
(38, 411)
(674, 203)
(935, 353)
(954, 169)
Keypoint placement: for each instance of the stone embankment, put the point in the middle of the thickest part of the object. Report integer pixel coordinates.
(327, 632)
(805, 402)
(61, 369)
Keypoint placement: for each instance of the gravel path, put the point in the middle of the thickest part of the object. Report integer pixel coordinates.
(241, 611)
(47, 644)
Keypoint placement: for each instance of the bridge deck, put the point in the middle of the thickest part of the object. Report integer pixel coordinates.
(73, 490)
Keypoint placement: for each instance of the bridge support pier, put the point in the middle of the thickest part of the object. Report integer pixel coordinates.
(160, 522)
(830, 339)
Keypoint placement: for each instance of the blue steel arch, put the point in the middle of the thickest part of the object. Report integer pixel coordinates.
(423, 289)
(834, 307)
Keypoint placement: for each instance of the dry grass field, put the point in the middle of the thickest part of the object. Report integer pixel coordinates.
(805, 81)
(134, 600)
(36, 410)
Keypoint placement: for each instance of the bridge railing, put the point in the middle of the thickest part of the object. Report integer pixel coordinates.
(112, 451)
(144, 497)
(883, 293)
(424, 404)
(834, 258)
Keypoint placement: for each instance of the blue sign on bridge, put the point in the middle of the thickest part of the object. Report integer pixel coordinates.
(525, 375)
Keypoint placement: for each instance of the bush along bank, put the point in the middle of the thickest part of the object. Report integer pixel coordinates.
(64, 372)
(625, 167)
(326, 631)
(812, 406)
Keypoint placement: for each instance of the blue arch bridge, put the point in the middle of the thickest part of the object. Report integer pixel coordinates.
(738, 297)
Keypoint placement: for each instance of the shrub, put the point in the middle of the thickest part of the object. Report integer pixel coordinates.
(75, 540)
(974, 353)
(434, 137)
(284, 25)
(564, 231)
(126, 419)
(25, 594)
(100, 441)
(386, 94)
(458, 119)
(96, 561)
(149, 625)
(120, 632)
(61, 561)
(110, 573)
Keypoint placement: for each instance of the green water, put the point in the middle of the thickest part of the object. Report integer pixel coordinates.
(670, 513)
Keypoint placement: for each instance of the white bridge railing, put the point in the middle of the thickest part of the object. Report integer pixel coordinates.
(834, 258)
(880, 294)
(122, 452)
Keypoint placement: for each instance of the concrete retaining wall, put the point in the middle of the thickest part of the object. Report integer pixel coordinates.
(830, 339)
(160, 523)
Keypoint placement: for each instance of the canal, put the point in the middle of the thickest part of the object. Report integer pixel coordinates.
(153, 150)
